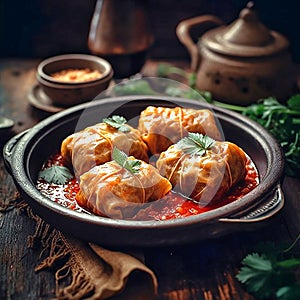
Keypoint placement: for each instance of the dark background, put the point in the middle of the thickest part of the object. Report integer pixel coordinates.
(42, 28)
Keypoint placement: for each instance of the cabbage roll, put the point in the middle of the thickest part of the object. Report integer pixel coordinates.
(93, 145)
(163, 126)
(117, 189)
(201, 168)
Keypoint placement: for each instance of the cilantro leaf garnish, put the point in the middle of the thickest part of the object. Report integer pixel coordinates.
(56, 174)
(117, 122)
(289, 292)
(196, 144)
(256, 273)
(120, 157)
(263, 275)
(270, 274)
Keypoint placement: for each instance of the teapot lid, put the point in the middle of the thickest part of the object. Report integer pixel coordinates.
(245, 37)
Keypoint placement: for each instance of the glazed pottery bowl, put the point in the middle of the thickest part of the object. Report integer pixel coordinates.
(26, 153)
(69, 93)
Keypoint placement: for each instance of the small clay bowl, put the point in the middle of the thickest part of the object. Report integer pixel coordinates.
(69, 93)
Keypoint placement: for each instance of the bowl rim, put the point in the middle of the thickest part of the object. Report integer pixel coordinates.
(108, 70)
(273, 176)
(74, 85)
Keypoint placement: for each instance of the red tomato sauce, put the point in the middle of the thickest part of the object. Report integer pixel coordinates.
(172, 206)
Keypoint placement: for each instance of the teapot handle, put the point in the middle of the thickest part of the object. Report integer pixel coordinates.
(183, 32)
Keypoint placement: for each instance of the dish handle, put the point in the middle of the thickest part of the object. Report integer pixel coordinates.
(271, 205)
(8, 150)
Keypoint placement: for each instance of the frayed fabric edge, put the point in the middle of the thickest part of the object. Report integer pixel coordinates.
(68, 258)
(55, 252)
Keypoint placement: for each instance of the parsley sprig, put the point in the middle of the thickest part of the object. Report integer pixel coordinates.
(283, 121)
(269, 273)
(56, 174)
(196, 144)
(120, 157)
(117, 122)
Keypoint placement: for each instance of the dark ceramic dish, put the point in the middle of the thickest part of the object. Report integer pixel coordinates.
(25, 154)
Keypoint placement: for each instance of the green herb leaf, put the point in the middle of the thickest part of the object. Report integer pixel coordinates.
(294, 102)
(134, 87)
(185, 93)
(258, 262)
(289, 292)
(56, 174)
(289, 263)
(131, 165)
(257, 274)
(271, 274)
(117, 122)
(196, 144)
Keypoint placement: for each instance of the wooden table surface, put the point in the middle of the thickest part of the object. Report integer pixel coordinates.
(205, 270)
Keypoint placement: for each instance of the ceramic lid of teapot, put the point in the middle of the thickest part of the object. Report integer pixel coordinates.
(245, 37)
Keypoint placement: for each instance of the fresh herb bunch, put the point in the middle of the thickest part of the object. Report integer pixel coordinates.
(117, 122)
(131, 165)
(282, 121)
(195, 144)
(270, 272)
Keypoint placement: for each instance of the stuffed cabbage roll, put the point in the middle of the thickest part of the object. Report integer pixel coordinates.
(202, 168)
(93, 145)
(163, 126)
(115, 189)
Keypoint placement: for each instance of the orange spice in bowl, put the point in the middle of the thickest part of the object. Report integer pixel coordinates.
(76, 75)
(71, 79)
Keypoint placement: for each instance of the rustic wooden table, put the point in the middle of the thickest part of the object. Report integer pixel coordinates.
(205, 270)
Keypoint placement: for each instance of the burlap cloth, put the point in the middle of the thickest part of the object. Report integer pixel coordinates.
(88, 271)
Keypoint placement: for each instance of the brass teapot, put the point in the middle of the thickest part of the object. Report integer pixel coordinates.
(241, 62)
